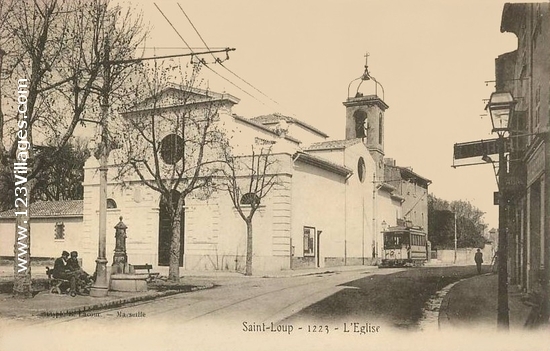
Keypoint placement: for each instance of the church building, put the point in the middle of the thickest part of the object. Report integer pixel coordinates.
(329, 208)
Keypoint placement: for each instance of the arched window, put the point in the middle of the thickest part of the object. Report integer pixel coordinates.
(171, 149)
(361, 169)
(111, 203)
(360, 118)
(250, 199)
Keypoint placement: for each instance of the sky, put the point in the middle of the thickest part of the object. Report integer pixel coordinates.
(433, 59)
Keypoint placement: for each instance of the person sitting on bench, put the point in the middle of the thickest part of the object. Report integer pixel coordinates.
(79, 273)
(62, 271)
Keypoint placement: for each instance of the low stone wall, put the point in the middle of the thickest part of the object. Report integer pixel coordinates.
(356, 261)
(35, 261)
(310, 262)
(334, 261)
(303, 262)
(463, 255)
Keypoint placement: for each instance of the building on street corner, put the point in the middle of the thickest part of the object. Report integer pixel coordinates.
(525, 73)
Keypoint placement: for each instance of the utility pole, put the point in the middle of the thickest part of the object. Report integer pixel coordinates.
(456, 240)
(546, 279)
(2, 53)
(101, 284)
(503, 318)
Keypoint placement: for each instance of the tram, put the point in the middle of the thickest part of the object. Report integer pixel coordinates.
(404, 247)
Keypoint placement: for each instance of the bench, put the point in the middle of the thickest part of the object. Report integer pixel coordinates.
(55, 283)
(148, 267)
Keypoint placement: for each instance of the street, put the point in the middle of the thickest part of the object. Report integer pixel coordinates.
(366, 305)
(393, 298)
(231, 302)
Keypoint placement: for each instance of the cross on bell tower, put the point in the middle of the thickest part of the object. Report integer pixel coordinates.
(365, 113)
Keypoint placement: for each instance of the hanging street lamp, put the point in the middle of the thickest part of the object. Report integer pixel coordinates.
(501, 108)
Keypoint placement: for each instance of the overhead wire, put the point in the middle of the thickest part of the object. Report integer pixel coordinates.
(219, 61)
(174, 28)
(179, 47)
(204, 62)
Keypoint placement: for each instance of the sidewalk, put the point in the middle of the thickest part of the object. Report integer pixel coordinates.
(54, 305)
(473, 303)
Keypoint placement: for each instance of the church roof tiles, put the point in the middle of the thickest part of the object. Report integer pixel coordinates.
(332, 144)
(274, 118)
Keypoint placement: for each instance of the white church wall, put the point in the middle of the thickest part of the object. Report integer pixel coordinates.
(318, 200)
(360, 206)
(215, 233)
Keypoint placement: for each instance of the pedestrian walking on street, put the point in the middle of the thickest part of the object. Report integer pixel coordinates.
(479, 260)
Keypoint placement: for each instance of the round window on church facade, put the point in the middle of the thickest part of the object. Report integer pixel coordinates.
(361, 169)
(171, 149)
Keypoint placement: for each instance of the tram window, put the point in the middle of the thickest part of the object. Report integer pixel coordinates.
(392, 241)
(397, 239)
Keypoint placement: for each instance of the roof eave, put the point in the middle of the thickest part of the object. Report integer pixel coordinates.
(415, 175)
(291, 120)
(264, 128)
(326, 165)
(6, 218)
(349, 143)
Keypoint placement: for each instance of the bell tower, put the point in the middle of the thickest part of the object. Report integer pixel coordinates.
(365, 114)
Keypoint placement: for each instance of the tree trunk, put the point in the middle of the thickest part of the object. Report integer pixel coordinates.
(248, 248)
(175, 244)
(22, 285)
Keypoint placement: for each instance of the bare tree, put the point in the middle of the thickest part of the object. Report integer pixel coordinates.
(172, 143)
(248, 180)
(57, 54)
